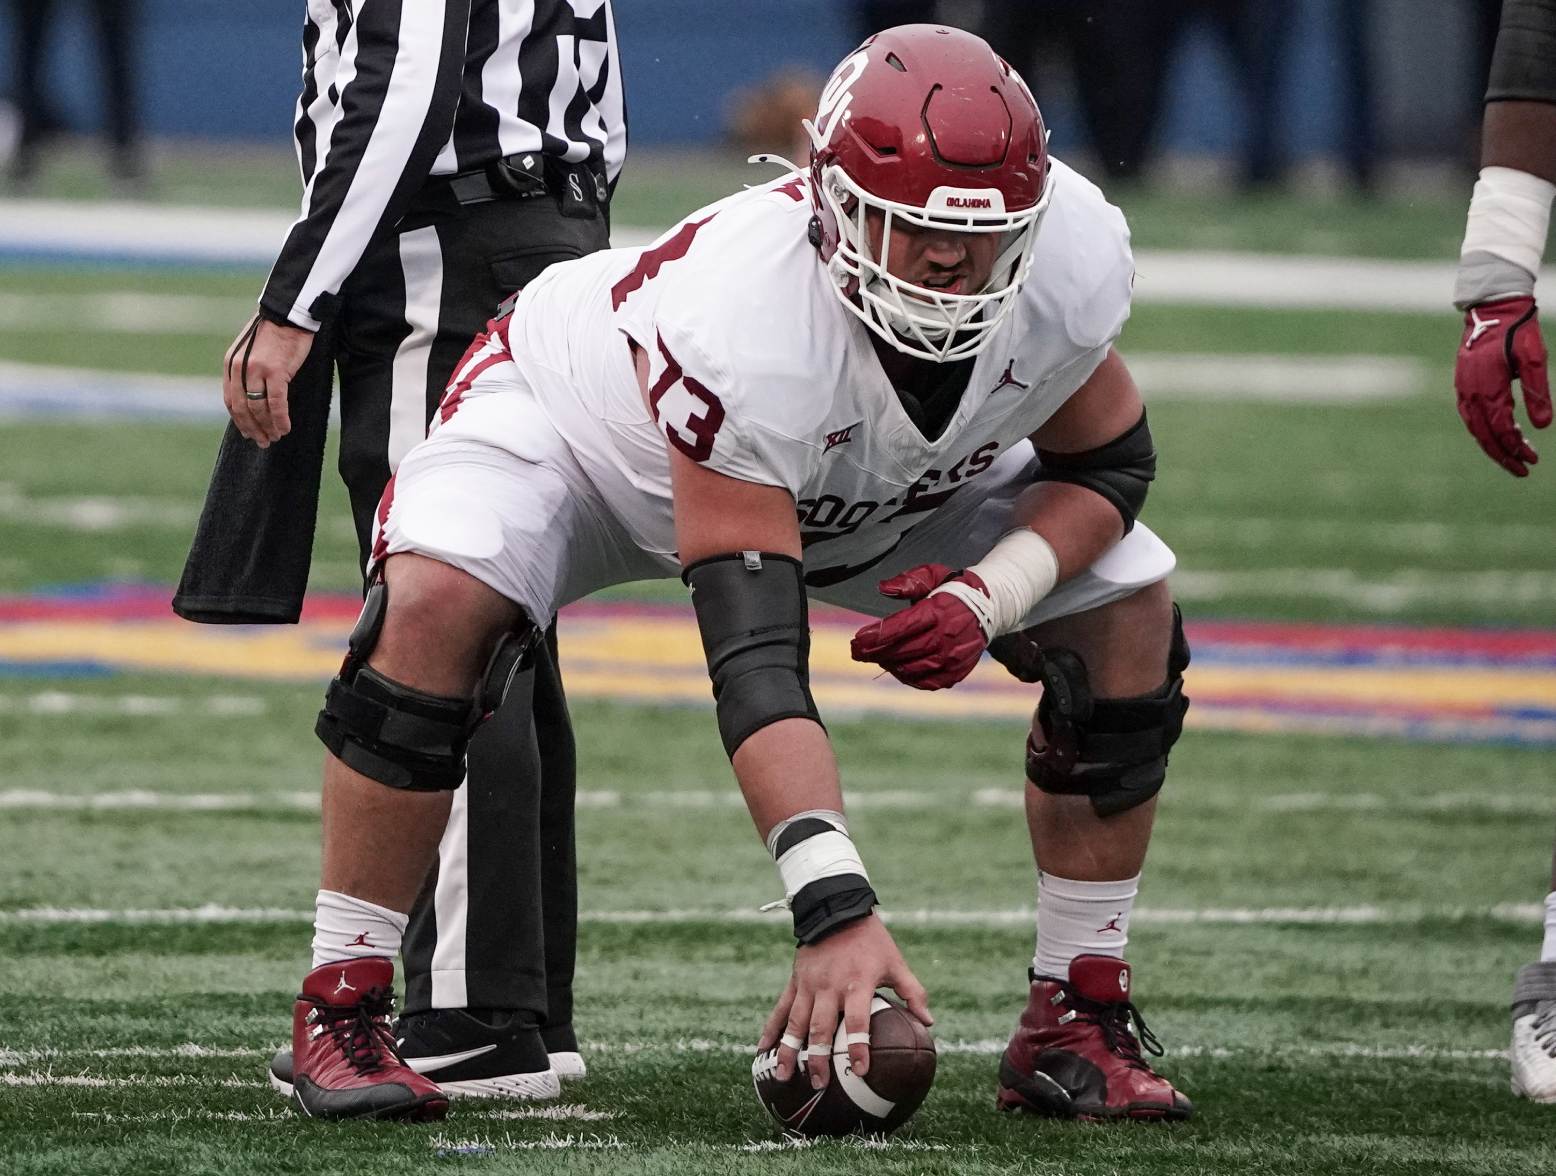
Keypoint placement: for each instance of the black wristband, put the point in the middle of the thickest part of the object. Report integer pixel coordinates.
(823, 906)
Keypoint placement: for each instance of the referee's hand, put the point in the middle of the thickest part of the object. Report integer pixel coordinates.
(257, 376)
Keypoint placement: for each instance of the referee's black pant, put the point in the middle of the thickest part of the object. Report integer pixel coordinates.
(496, 924)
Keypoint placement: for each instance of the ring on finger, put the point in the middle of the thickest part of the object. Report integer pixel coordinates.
(247, 395)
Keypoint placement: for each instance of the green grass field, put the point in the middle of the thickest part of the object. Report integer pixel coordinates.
(1366, 1040)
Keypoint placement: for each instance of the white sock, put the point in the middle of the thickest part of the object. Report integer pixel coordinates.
(1081, 918)
(346, 928)
(1548, 948)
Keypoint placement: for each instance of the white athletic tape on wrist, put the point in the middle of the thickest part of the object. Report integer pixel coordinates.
(1018, 572)
(826, 855)
(1510, 214)
(830, 816)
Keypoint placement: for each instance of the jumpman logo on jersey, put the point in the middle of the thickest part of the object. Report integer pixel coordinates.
(360, 940)
(1112, 925)
(342, 986)
(1009, 380)
(1478, 327)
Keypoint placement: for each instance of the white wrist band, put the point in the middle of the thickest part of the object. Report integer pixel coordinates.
(1509, 216)
(826, 855)
(1018, 572)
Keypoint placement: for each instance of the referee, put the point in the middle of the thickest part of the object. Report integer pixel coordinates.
(450, 150)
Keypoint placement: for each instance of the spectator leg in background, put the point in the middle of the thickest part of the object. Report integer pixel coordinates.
(30, 24)
(1258, 32)
(118, 42)
(1123, 51)
(1359, 122)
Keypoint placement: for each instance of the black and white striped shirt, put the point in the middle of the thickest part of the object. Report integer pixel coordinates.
(395, 91)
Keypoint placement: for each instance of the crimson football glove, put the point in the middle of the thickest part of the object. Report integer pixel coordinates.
(933, 643)
(1502, 342)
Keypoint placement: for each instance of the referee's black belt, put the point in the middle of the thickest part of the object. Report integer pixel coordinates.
(578, 189)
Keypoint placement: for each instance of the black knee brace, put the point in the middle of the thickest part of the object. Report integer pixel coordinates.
(1112, 750)
(396, 734)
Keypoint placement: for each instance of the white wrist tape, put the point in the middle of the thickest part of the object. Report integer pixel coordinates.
(822, 855)
(1510, 214)
(1019, 571)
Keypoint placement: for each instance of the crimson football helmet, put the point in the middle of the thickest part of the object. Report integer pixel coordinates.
(926, 126)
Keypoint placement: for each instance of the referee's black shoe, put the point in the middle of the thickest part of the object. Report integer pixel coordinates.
(562, 1047)
(464, 1055)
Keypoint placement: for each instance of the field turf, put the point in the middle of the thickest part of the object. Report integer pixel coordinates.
(1328, 926)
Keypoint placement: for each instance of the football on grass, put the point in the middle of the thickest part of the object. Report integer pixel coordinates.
(902, 1069)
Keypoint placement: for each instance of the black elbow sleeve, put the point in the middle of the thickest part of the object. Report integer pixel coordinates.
(1121, 471)
(751, 612)
(1523, 67)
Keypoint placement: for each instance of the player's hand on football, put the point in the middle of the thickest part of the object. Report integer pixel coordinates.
(933, 643)
(836, 979)
(257, 375)
(1501, 343)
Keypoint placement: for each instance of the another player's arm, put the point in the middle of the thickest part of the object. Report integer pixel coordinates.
(1097, 460)
(1504, 240)
(740, 545)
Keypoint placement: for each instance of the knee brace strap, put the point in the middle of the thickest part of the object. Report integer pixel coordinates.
(1112, 750)
(396, 734)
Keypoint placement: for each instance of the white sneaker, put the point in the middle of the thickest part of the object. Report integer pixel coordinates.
(1533, 1051)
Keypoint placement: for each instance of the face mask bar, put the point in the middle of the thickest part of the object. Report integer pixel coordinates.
(915, 319)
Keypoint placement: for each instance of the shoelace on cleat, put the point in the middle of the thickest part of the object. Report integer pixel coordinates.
(361, 1031)
(1545, 1027)
(1115, 1020)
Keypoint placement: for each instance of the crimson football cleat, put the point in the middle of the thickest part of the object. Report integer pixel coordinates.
(1076, 1054)
(346, 1063)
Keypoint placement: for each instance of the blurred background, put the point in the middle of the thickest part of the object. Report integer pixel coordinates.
(1322, 92)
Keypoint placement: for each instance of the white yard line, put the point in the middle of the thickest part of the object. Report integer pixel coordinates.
(28, 390)
(1283, 379)
(148, 232)
(979, 1047)
(486, 1145)
(146, 706)
(1385, 594)
(193, 802)
(95, 513)
(1366, 915)
(1010, 796)
(122, 312)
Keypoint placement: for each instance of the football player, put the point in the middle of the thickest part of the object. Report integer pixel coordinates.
(1504, 240)
(887, 381)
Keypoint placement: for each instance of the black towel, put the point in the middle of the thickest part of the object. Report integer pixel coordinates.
(248, 564)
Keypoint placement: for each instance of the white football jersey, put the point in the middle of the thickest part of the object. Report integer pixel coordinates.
(757, 371)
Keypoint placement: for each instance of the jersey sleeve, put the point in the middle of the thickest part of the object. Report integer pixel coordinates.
(740, 374)
(700, 407)
(1082, 280)
(1104, 272)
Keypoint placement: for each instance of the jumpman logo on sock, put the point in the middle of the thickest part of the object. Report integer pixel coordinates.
(1112, 925)
(360, 940)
